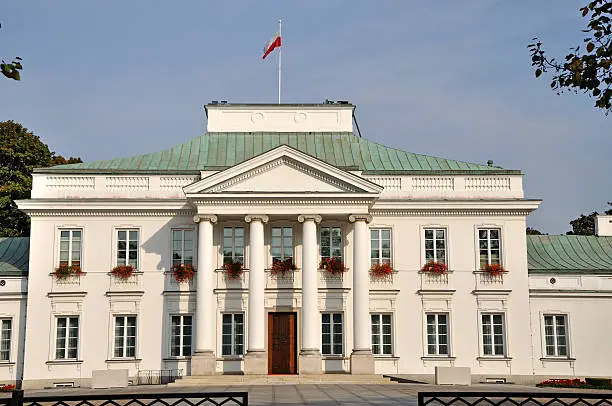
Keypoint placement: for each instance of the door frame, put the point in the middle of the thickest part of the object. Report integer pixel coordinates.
(295, 335)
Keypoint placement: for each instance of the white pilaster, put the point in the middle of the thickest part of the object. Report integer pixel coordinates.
(255, 362)
(362, 361)
(310, 352)
(203, 361)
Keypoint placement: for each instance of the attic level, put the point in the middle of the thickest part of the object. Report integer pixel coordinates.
(291, 118)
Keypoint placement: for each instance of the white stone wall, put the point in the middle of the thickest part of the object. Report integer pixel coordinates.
(13, 306)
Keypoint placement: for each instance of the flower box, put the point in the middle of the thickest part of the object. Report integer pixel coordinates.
(233, 269)
(64, 271)
(494, 269)
(123, 271)
(283, 268)
(183, 272)
(383, 270)
(434, 267)
(7, 388)
(333, 266)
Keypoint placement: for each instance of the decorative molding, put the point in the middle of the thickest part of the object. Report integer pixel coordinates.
(487, 184)
(431, 183)
(309, 217)
(451, 212)
(104, 213)
(127, 183)
(256, 217)
(176, 182)
(388, 182)
(71, 182)
(224, 201)
(205, 217)
(360, 217)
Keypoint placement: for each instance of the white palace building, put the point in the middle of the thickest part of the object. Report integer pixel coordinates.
(267, 183)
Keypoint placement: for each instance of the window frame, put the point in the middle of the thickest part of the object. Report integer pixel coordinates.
(116, 245)
(282, 237)
(481, 335)
(182, 249)
(556, 345)
(181, 336)
(10, 338)
(233, 344)
(380, 248)
(449, 346)
(381, 334)
(66, 353)
(488, 228)
(342, 240)
(331, 333)
(435, 228)
(125, 336)
(244, 242)
(70, 243)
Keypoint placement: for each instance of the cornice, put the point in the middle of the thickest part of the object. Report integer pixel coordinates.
(108, 213)
(449, 212)
(224, 201)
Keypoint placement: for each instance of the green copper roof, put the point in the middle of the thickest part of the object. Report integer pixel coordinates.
(14, 256)
(215, 151)
(569, 254)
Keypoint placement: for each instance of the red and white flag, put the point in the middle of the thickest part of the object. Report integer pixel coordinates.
(274, 42)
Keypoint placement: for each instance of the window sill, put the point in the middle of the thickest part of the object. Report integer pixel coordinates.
(123, 360)
(386, 357)
(438, 358)
(64, 362)
(333, 357)
(6, 364)
(557, 359)
(177, 358)
(494, 358)
(231, 358)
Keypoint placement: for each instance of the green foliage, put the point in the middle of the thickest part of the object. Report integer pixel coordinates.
(585, 225)
(587, 72)
(533, 231)
(11, 70)
(20, 152)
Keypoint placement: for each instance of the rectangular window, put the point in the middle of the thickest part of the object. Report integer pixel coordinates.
(493, 334)
(182, 247)
(125, 337)
(180, 339)
(555, 334)
(233, 244)
(332, 334)
(5, 339)
(435, 245)
(127, 247)
(380, 243)
(70, 247)
(382, 343)
(233, 334)
(490, 247)
(282, 243)
(437, 334)
(67, 338)
(331, 242)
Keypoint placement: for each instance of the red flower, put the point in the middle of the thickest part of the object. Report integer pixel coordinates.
(332, 265)
(381, 270)
(123, 271)
(494, 269)
(7, 388)
(233, 269)
(182, 272)
(64, 270)
(282, 267)
(435, 267)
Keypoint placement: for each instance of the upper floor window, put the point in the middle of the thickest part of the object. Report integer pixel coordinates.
(555, 335)
(282, 243)
(435, 245)
(127, 247)
(67, 337)
(331, 242)
(125, 337)
(70, 247)
(489, 245)
(5, 339)
(180, 339)
(493, 334)
(182, 247)
(233, 244)
(380, 246)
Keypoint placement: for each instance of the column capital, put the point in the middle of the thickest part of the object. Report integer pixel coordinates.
(312, 217)
(256, 217)
(205, 217)
(360, 217)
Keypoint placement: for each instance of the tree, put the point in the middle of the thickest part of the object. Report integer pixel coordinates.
(533, 231)
(20, 152)
(587, 72)
(11, 70)
(585, 225)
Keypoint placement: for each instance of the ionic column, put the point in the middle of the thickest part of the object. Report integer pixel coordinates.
(362, 361)
(255, 361)
(203, 361)
(310, 351)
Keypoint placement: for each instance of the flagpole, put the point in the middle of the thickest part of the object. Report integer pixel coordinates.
(279, 60)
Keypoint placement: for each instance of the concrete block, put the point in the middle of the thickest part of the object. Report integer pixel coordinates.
(310, 364)
(453, 376)
(256, 363)
(362, 363)
(109, 378)
(203, 363)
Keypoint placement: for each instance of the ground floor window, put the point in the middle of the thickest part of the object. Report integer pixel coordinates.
(555, 335)
(233, 334)
(67, 337)
(382, 343)
(180, 340)
(493, 332)
(437, 334)
(6, 326)
(125, 337)
(332, 334)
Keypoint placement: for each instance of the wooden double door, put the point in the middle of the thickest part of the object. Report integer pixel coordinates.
(282, 343)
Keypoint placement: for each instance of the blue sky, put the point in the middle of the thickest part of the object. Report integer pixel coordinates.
(447, 78)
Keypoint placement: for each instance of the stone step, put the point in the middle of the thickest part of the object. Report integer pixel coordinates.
(280, 379)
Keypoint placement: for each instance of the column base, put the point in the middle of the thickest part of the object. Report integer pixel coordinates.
(256, 363)
(203, 363)
(310, 362)
(362, 362)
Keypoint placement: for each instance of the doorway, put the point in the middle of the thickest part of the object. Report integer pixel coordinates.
(282, 343)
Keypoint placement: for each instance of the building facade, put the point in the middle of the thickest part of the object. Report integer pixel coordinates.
(272, 184)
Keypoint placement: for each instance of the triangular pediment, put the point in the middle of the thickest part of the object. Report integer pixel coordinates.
(283, 169)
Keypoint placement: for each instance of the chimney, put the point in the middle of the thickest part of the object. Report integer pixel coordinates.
(603, 225)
